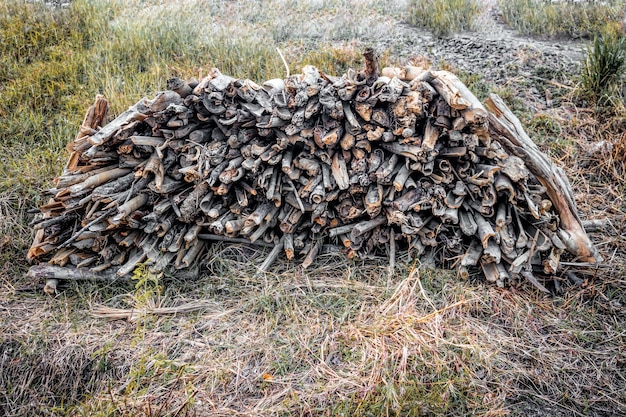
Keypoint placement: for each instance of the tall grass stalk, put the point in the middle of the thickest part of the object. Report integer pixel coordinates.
(602, 74)
(443, 17)
(570, 19)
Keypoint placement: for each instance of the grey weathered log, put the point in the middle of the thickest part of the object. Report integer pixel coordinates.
(288, 246)
(191, 205)
(96, 180)
(311, 255)
(363, 227)
(508, 131)
(484, 230)
(234, 240)
(340, 172)
(46, 271)
(490, 270)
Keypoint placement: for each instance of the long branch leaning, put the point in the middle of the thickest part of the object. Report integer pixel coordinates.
(408, 159)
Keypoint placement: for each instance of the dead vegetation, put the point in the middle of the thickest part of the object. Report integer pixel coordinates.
(341, 339)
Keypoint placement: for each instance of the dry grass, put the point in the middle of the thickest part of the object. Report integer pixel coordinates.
(445, 17)
(342, 338)
(561, 19)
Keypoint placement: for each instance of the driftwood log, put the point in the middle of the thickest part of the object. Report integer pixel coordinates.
(373, 164)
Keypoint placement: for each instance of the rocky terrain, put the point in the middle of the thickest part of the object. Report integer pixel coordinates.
(493, 51)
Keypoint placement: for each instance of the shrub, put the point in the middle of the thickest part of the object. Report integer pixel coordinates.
(565, 18)
(443, 17)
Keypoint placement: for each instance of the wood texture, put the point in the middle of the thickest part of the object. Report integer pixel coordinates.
(373, 164)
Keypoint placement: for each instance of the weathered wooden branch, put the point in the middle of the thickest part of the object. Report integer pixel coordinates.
(507, 129)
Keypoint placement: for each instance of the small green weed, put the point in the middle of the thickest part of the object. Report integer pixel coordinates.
(147, 286)
(443, 17)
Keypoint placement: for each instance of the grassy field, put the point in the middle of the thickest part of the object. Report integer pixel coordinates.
(564, 19)
(445, 17)
(346, 338)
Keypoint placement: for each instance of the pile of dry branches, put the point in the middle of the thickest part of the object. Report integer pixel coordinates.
(365, 162)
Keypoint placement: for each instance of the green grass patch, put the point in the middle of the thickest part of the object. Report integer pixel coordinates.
(602, 75)
(444, 17)
(550, 134)
(569, 19)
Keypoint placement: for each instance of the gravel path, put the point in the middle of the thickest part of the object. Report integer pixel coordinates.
(494, 50)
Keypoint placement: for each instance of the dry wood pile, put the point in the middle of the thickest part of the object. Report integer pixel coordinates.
(367, 162)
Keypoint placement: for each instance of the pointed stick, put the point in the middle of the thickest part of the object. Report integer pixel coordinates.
(270, 258)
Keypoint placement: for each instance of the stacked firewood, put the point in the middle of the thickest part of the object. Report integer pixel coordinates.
(365, 162)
